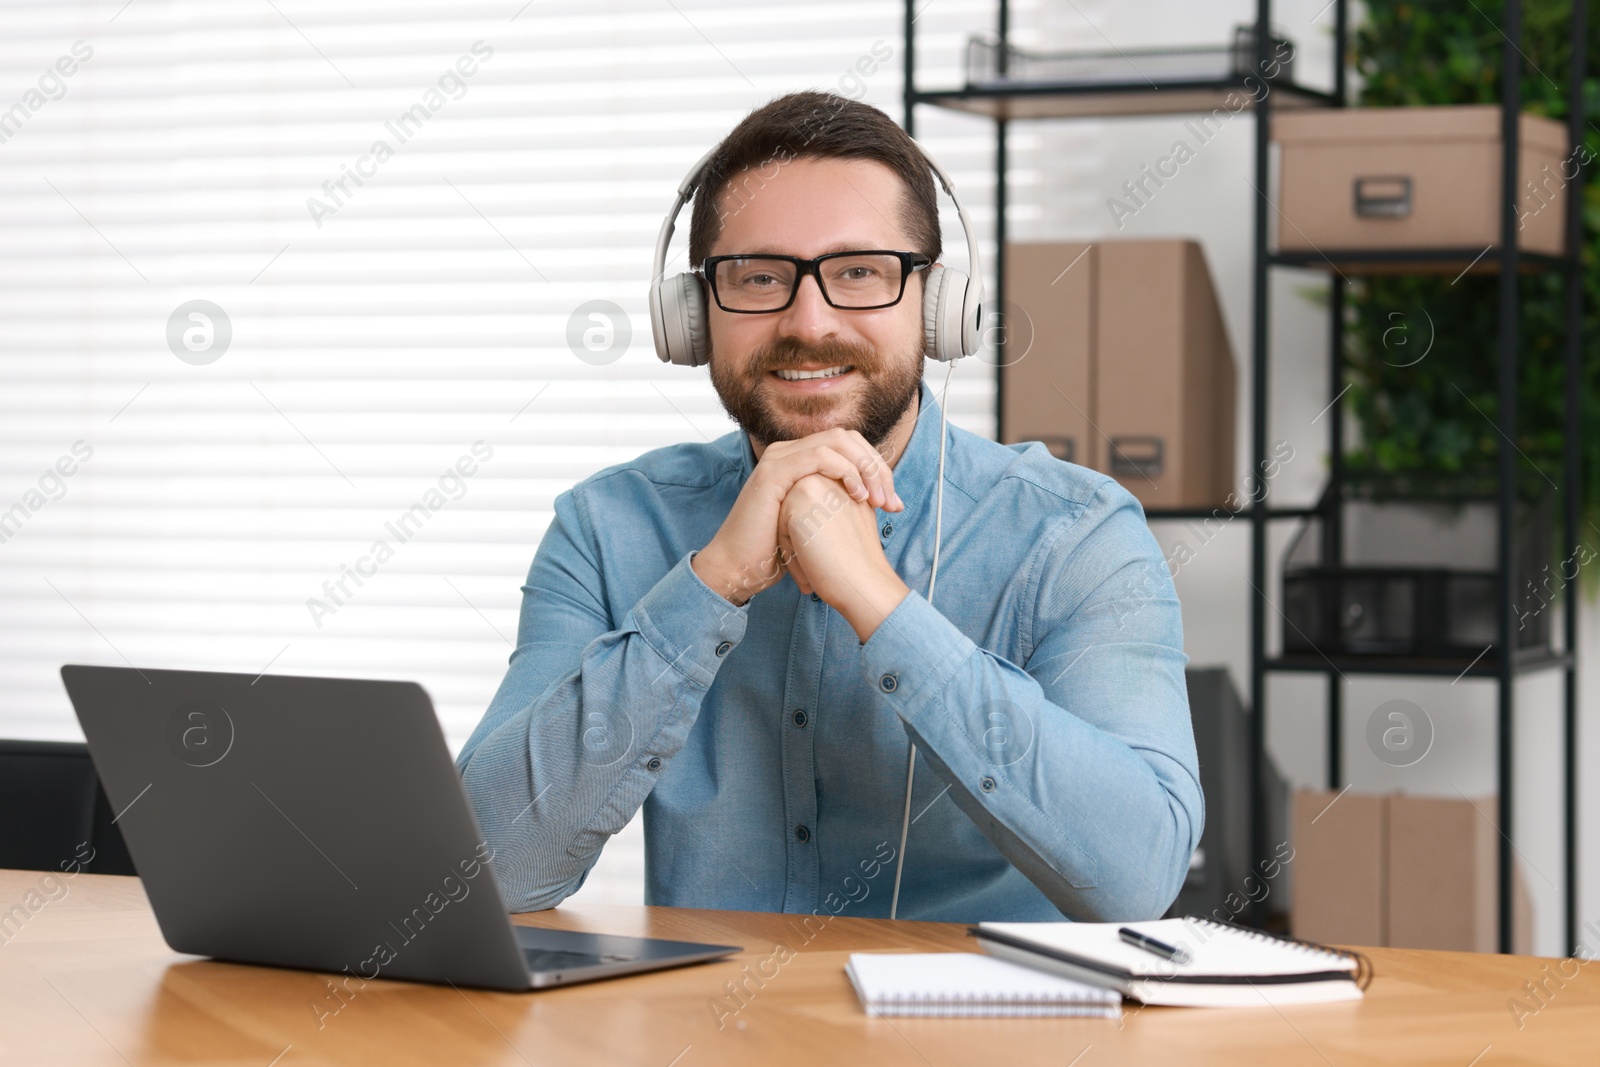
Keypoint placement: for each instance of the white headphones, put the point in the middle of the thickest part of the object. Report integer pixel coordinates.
(951, 303)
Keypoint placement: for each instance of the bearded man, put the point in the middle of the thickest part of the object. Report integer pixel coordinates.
(736, 636)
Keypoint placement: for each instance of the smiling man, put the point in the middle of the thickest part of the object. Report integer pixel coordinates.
(736, 635)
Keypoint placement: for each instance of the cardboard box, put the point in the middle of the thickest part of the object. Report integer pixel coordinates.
(1049, 385)
(1415, 177)
(1402, 871)
(1164, 377)
(1340, 885)
(1444, 857)
(1127, 367)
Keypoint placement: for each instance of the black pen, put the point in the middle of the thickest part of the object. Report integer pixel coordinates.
(1151, 945)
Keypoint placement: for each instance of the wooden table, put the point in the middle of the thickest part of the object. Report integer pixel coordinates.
(86, 979)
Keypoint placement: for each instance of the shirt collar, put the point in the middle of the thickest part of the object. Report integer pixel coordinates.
(914, 472)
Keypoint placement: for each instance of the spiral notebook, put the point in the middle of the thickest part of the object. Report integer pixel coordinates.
(1227, 965)
(967, 983)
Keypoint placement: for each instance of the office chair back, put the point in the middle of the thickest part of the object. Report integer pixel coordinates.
(53, 811)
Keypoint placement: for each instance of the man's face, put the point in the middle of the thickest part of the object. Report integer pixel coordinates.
(813, 207)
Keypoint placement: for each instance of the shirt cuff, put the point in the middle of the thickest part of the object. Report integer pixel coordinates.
(690, 625)
(913, 653)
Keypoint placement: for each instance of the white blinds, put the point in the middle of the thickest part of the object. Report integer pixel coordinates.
(396, 371)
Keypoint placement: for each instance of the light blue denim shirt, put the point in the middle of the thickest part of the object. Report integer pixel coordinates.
(1044, 687)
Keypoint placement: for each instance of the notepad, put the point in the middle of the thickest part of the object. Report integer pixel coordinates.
(967, 983)
(1228, 966)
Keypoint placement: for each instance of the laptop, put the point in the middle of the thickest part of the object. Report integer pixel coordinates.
(320, 823)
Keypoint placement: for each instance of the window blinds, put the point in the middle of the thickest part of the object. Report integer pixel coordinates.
(288, 377)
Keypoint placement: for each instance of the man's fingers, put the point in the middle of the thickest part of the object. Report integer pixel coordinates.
(871, 465)
(865, 464)
(787, 557)
(797, 571)
(840, 468)
(840, 454)
(832, 464)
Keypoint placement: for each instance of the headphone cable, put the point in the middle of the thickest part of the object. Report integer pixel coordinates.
(933, 577)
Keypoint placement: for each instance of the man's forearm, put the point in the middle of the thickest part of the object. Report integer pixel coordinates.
(554, 779)
(1102, 825)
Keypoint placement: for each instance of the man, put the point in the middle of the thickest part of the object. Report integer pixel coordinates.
(736, 635)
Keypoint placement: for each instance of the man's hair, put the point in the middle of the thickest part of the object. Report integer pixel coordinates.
(811, 125)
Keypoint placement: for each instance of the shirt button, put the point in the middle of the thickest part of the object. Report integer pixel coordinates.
(654, 764)
(986, 784)
(802, 832)
(888, 528)
(815, 599)
(799, 718)
(888, 683)
(722, 649)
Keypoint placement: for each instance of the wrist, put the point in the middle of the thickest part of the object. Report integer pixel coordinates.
(709, 566)
(872, 601)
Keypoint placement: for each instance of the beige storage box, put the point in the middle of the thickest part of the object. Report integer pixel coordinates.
(1164, 377)
(1128, 368)
(1049, 385)
(1402, 871)
(1444, 869)
(1357, 179)
(1340, 889)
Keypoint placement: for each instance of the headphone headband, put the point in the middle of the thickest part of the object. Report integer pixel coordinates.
(974, 267)
(686, 188)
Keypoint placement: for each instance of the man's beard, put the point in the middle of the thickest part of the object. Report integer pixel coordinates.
(886, 389)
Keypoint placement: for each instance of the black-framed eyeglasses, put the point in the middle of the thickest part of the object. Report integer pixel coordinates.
(853, 281)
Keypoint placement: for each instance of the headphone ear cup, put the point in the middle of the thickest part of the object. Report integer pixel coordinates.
(661, 292)
(933, 300)
(695, 325)
(971, 312)
(951, 333)
(957, 331)
(678, 320)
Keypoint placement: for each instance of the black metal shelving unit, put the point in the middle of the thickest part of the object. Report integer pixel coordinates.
(1003, 104)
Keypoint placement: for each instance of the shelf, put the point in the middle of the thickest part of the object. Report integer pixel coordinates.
(1447, 667)
(1002, 99)
(1076, 100)
(1414, 260)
